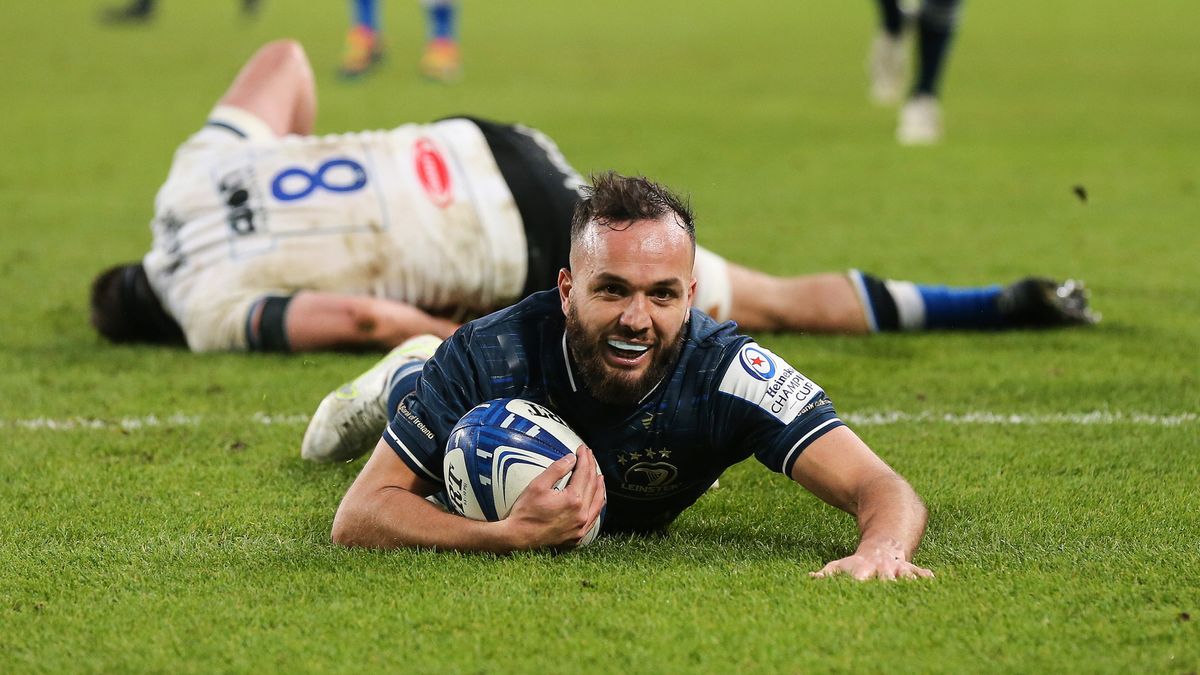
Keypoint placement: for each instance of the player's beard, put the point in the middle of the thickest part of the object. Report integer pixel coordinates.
(606, 384)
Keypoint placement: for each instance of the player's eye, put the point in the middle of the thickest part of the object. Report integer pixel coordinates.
(663, 294)
(612, 289)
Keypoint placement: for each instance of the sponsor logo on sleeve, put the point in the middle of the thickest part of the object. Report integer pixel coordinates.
(433, 173)
(412, 419)
(757, 362)
(767, 381)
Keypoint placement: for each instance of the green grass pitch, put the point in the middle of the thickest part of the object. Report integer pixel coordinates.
(154, 513)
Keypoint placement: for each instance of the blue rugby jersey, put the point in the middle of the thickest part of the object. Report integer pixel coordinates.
(725, 399)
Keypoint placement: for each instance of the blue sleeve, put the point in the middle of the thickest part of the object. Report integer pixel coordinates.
(446, 389)
(767, 407)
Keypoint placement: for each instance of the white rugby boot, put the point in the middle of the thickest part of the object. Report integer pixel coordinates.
(887, 66)
(920, 121)
(352, 417)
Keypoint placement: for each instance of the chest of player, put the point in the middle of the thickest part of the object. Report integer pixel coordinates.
(653, 456)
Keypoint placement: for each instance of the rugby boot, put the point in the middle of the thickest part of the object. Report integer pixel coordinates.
(364, 50)
(887, 66)
(1038, 302)
(441, 61)
(352, 417)
(920, 121)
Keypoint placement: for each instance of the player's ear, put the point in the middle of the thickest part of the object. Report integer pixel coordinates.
(691, 292)
(564, 288)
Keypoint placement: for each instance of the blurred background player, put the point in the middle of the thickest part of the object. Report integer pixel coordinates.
(140, 11)
(934, 22)
(364, 43)
(267, 237)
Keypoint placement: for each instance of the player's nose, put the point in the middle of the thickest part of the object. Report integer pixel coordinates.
(636, 316)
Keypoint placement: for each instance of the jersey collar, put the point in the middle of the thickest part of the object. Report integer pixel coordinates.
(566, 354)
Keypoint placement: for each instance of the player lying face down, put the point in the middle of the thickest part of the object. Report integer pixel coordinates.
(267, 237)
(666, 396)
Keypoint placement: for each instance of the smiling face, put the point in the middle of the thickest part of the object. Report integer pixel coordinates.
(626, 299)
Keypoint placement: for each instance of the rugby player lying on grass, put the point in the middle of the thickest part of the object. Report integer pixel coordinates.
(667, 397)
(269, 238)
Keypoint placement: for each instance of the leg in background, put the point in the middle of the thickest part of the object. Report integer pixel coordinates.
(817, 303)
(441, 61)
(364, 44)
(277, 85)
(921, 117)
(887, 63)
(859, 303)
(138, 11)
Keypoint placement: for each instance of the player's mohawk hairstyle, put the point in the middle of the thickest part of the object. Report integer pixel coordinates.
(615, 201)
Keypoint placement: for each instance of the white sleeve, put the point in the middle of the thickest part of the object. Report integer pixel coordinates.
(217, 323)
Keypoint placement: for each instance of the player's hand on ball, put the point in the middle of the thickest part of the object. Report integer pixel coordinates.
(545, 516)
(877, 565)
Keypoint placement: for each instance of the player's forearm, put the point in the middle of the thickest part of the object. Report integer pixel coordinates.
(392, 517)
(398, 323)
(318, 320)
(891, 518)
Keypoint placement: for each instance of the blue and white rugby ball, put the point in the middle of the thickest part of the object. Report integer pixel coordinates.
(497, 449)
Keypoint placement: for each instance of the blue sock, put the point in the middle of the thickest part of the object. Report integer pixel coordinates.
(441, 20)
(365, 14)
(902, 305)
(402, 383)
(947, 307)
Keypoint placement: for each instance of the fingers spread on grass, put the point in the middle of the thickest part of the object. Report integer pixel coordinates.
(829, 570)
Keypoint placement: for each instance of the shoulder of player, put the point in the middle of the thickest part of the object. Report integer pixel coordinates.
(754, 377)
(498, 346)
(533, 310)
(711, 339)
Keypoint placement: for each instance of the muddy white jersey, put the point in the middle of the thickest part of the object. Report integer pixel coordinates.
(419, 214)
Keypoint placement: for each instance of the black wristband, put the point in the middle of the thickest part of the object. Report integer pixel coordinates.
(271, 335)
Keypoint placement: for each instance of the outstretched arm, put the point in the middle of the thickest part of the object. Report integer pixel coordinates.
(840, 469)
(317, 320)
(386, 508)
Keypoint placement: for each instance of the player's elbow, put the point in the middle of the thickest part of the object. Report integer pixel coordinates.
(350, 526)
(919, 509)
(906, 498)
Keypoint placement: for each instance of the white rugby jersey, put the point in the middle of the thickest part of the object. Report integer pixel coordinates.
(419, 214)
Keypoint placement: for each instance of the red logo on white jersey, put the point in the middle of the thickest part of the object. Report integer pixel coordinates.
(433, 173)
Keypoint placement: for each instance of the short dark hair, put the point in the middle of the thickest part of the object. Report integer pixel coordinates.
(613, 199)
(125, 308)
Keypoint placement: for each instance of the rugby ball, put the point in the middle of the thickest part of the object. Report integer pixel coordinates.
(497, 449)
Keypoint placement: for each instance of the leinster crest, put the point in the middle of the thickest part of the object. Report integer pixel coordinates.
(648, 472)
